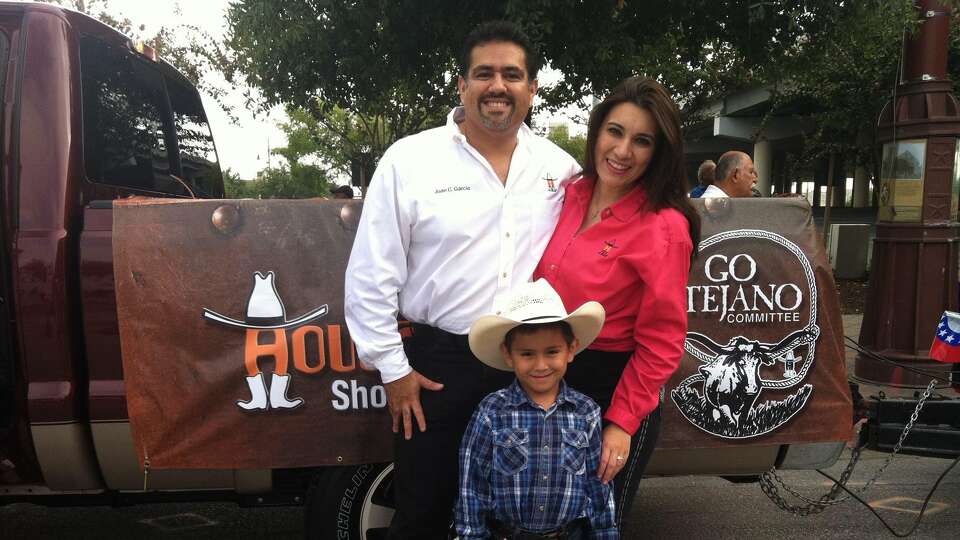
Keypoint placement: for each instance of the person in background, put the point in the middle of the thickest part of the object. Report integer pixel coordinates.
(625, 238)
(736, 176)
(342, 192)
(704, 178)
(454, 217)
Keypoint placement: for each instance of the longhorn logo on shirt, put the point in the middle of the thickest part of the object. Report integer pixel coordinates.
(551, 184)
(266, 314)
(755, 292)
(607, 246)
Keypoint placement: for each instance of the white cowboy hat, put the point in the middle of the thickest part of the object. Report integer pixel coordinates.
(532, 303)
(265, 310)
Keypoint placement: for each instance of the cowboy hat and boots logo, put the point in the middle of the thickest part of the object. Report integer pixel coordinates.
(265, 312)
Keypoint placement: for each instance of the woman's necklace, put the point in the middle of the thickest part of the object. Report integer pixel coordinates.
(595, 213)
(595, 205)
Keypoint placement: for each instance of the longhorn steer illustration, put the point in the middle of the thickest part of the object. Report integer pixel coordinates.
(732, 381)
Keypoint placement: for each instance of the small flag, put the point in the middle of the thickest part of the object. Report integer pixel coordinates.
(946, 344)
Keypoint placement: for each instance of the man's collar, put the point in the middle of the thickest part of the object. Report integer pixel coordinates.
(456, 115)
(725, 192)
(516, 396)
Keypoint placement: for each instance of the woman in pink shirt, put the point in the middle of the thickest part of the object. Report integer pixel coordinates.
(625, 238)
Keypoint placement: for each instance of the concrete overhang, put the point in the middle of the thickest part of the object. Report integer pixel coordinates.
(742, 116)
(754, 127)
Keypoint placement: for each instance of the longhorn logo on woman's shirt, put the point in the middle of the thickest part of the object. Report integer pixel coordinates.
(607, 246)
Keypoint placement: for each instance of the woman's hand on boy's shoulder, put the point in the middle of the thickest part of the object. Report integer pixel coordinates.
(403, 398)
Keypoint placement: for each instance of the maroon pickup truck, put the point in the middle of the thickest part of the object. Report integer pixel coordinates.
(90, 117)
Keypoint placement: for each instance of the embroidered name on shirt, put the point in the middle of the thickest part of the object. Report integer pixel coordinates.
(607, 246)
(451, 189)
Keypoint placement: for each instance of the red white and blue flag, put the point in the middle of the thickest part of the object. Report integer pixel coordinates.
(946, 344)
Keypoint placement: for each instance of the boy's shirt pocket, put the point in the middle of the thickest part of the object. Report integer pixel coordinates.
(511, 450)
(574, 451)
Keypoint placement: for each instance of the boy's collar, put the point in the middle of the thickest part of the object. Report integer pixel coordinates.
(517, 396)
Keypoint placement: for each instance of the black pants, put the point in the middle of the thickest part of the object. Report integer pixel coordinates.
(426, 467)
(596, 374)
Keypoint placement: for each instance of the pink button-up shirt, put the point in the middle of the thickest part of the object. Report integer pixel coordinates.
(635, 263)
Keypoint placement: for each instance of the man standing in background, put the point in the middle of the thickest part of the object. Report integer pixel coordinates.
(736, 177)
(705, 178)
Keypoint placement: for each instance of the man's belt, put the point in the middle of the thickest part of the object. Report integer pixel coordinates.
(441, 337)
(505, 531)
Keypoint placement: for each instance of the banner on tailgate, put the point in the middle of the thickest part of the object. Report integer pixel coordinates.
(731, 282)
(236, 354)
(764, 360)
(235, 350)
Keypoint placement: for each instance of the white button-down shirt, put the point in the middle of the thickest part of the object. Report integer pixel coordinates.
(441, 237)
(713, 192)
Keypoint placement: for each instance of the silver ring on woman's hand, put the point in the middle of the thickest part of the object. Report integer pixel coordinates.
(619, 458)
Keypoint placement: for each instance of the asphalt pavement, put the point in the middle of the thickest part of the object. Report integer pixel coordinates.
(704, 507)
(678, 507)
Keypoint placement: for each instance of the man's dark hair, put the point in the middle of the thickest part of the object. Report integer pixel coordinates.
(499, 31)
(727, 163)
(342, 192)
(526, 329)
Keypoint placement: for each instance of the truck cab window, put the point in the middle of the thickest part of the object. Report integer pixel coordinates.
(125, 137)
(198, 155)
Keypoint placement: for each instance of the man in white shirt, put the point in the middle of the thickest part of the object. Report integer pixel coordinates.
(454, 218)
(735, 177)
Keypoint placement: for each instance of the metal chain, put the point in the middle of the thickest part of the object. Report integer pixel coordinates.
(769, 479)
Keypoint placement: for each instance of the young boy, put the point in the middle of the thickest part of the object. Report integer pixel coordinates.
(529, 457)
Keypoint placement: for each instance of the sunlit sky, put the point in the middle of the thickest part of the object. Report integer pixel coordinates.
(242, 146)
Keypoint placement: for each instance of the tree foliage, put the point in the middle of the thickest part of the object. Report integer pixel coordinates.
(313, 157)
(833, 62)
(575, 145)
(842, 74)
(382, 61)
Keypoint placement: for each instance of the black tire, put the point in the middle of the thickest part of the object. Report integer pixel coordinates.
(350, 503)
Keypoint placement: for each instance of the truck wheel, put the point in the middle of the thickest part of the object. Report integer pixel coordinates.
(350, 503)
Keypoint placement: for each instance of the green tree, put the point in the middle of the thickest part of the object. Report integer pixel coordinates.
(574, 145)
(835, 61)
(290, 181)
(378, 61)
(314, 155)
(235, 187)
(839, 76)
(335, 139)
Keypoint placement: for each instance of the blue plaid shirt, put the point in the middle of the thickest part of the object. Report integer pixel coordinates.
(533, 468)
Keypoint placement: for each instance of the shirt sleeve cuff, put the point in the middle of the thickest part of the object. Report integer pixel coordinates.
(624, 419)
(393, 366)
(606, 534)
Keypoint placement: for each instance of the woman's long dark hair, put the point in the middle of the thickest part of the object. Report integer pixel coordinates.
(666, 176)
